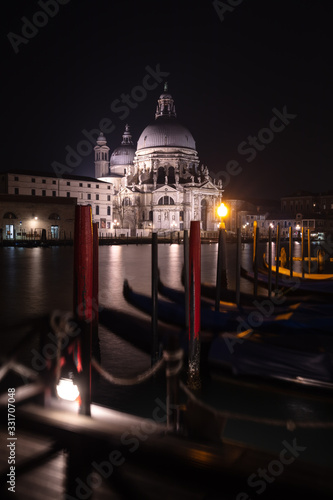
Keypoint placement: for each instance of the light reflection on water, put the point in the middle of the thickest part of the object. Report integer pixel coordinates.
(38, 280)
(34, 281)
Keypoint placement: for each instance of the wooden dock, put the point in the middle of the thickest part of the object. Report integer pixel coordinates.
(62, 454)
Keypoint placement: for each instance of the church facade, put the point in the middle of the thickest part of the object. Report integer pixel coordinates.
(159, 185)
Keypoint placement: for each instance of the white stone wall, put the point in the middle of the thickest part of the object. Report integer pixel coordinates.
(87, 192)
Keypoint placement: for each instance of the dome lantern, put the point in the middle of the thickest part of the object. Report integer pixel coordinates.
(165, 105)
(101, 141)
(127, 137)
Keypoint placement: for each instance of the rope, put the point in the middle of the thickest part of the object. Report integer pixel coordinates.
(172, 357)
(171, 372)
(138, 379)
(289, 424)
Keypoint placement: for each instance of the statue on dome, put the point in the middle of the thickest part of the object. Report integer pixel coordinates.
(206, 172)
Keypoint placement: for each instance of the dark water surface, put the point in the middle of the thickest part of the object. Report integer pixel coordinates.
(35, 281)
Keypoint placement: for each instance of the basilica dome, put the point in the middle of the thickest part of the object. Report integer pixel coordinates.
(123, 154)
(166, 130)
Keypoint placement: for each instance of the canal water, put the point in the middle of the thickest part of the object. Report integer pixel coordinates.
(35, 281)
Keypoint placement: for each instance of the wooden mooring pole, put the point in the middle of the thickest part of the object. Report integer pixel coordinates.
(302, 250)
(277, 257)
(186, 278)
(221, 273)
(154, 295)
(238, 264)
(269, 261)
(95, 347)
(83, 296)
(255, 257)
(309, 251)
(194, 307)
(291, 256)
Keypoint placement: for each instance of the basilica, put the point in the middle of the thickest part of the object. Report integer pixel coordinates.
(159, 185)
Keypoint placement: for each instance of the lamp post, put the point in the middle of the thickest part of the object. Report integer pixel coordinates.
(115, 224)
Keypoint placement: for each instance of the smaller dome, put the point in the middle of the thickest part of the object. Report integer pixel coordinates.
(101, 141)
(124, 154)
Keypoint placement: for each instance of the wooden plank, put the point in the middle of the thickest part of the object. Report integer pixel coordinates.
(162, 449)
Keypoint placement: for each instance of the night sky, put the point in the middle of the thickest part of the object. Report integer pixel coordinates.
(227, 72)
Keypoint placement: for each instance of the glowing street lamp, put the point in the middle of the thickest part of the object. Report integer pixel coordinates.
(222, 211)
(115, 224)
(66, 389)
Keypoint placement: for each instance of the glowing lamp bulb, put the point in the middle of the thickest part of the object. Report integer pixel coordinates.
(222, 210)
(67, 390)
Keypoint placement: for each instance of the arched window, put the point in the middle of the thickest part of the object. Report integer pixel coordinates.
(9, 215)
(54, 216)
(166, 200)
(108, 210)
(171, 175)
(160, 175)
(127, 202)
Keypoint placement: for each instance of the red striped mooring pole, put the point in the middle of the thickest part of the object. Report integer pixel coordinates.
(83, 297)
(194, 305)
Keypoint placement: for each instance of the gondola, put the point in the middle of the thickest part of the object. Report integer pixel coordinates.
(233, 321)
(303, 360)
(287, 297)
(304, 277)
(312, 289)
(281, 306)
(174, 312)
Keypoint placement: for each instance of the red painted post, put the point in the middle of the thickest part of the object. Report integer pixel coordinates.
(194, 305)
(83, 290)
(95, 319)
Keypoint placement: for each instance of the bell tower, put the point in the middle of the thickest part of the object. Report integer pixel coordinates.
(101, 157)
